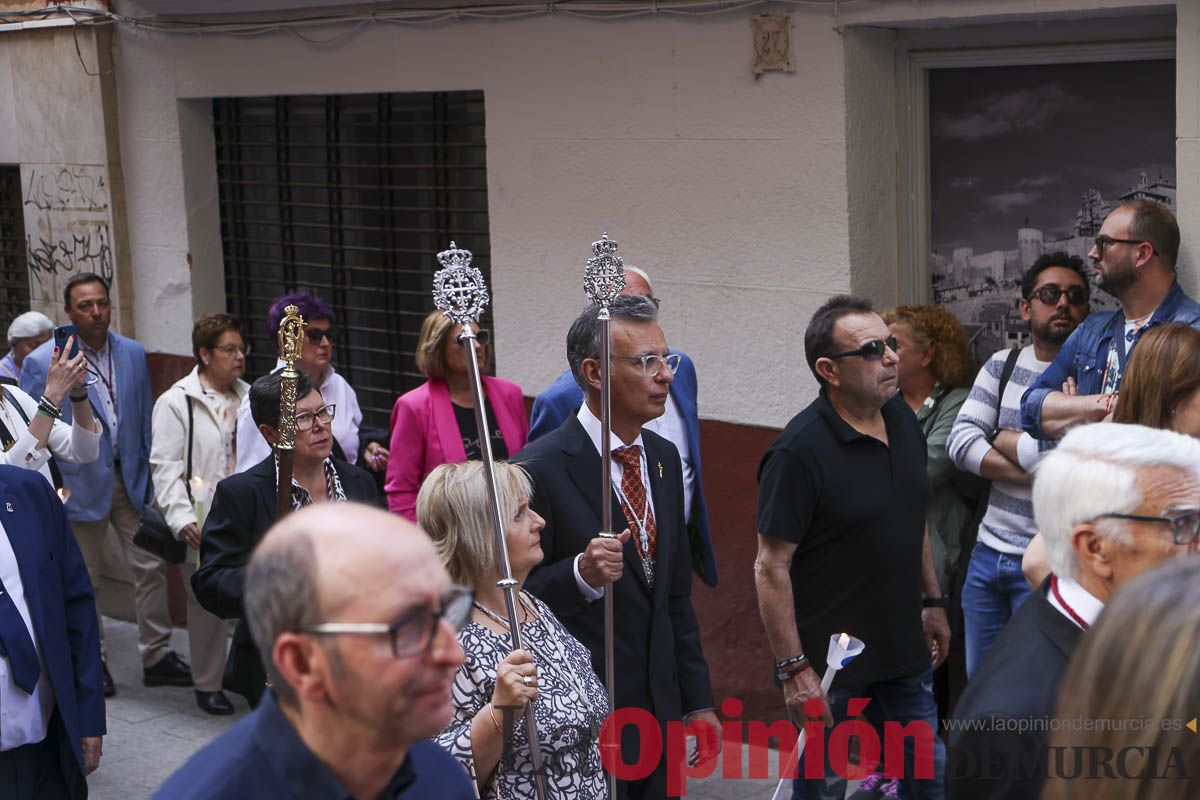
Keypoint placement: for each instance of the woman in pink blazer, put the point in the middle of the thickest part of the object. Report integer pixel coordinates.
(435, 423)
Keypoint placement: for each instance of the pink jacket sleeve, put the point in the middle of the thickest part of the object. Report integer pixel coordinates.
(406, 460)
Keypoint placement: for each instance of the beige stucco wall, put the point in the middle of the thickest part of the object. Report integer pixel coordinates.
(738, 194)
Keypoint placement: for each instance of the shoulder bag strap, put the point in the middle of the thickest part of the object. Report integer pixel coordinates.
(1009, 365)
(55, 473)
(191, 424)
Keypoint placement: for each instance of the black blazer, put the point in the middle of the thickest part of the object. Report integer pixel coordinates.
(243, 508)
(660, 665)
(1018, 679)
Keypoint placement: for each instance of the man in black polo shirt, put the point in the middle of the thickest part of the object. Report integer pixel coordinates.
(842, 545)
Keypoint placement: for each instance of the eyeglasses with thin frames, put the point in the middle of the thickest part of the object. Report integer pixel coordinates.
(1184, 522)
(233, 349)
(413, 633)
(870, 351)
(305, 419)
(652, 364)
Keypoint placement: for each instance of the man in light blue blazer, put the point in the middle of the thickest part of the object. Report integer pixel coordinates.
(121, 399)
(680, 423)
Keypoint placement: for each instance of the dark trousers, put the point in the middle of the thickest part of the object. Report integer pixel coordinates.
(904, 700)
(34, 771)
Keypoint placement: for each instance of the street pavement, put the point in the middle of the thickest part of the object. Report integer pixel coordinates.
(151, 732)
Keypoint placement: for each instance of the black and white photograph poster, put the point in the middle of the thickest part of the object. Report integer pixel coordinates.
(1029, 160)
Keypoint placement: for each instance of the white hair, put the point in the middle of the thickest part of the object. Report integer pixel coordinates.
(1094, 472)
(641, 273)
(31, 323)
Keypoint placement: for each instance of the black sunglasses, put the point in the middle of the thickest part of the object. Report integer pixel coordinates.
(315, 335)
(1103, 241)
(1049, 294)
(871, 351)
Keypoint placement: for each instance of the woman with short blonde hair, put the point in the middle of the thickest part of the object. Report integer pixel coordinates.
(553, 668)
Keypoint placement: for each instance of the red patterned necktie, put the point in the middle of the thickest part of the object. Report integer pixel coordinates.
(633, 500)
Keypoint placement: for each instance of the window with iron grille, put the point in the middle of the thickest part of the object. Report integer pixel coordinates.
(350, 197)
(14, 270)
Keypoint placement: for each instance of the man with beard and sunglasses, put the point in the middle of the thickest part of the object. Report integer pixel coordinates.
(842, 544)
(987, 440)
(1134, 261)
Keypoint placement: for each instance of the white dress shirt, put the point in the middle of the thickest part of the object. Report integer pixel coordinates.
(252, 448)
(592, 427)
(1081, 601)
(670, 426)
(24, 718)
(104, 371)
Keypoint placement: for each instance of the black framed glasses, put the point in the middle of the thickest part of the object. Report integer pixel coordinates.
(1184, 522)
(305, 419)
(315, 335)
(652, 364)
(413, 633)
(1049, 294)
(1103, 241)
(870, 351)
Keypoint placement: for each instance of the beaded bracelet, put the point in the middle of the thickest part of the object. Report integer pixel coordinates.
(47, 407)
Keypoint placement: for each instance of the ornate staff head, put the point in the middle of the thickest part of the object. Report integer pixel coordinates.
(291, 348)
(458, 288)
(604, 278)
(291, 335)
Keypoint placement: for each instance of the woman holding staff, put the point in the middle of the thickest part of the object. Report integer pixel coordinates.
(553, 668)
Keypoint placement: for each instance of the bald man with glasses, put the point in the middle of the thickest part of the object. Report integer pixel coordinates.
(1133, 260)
(356, 620)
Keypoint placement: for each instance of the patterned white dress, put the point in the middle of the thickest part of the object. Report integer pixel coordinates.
(568, 724)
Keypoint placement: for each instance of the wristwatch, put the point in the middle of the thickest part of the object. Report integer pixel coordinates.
(935, 602)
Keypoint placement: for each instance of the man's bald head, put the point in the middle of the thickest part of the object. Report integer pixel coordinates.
(314, 561)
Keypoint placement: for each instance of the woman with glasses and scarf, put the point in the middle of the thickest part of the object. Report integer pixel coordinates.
(554, 669)
(244, 507)
(193, 446)
(317, 363)
(435, 423)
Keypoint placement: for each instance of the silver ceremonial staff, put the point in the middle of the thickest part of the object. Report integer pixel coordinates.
(461, 294)
(603, 280)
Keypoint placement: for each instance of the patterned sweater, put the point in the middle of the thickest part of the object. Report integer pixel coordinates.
(1008, 525)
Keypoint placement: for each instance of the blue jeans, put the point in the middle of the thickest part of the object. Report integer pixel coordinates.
(903, 700)
(994, 589)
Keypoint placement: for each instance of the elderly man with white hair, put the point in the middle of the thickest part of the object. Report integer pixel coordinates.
(24, 334)
(1112, 501)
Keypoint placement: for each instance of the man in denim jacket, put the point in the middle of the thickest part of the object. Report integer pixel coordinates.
(1134, 261)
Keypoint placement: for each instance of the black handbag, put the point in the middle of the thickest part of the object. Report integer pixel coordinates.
(153, 533)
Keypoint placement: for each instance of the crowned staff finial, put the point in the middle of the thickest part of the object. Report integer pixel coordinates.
(458, 288)
(605, 275)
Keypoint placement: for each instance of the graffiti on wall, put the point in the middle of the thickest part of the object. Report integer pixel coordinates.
(68, 222)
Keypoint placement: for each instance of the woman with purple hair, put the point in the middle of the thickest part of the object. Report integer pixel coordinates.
(316, 363)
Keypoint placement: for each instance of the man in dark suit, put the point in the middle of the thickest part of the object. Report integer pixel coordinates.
(362, 654)
(50, 679)
(679, 423)
(1111, 501)
(661, 667)
(244, 507)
